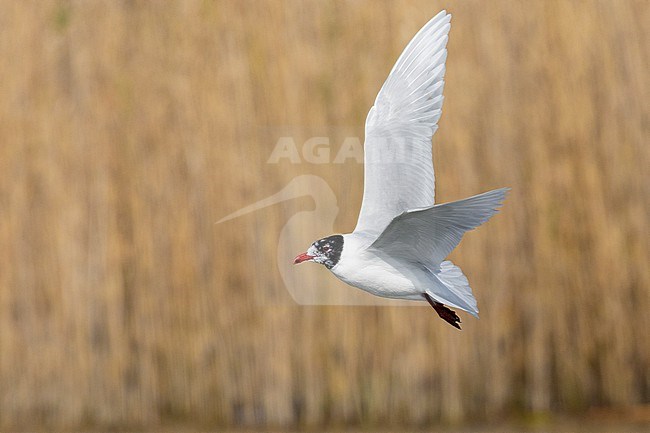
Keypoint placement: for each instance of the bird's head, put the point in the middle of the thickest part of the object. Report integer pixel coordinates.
(326, 251)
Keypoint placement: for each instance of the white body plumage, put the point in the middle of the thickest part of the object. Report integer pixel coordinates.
(402, 238)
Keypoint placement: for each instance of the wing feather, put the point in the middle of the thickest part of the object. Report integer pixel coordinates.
(398, 159)
(428, 235)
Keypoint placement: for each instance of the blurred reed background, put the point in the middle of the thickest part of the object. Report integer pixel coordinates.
(128, 128)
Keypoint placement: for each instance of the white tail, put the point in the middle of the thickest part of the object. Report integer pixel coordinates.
(457, 292)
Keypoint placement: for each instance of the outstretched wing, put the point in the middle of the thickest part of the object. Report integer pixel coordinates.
(398, 166)
(428, 235)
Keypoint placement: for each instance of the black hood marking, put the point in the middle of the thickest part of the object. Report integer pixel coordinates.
(330, 248)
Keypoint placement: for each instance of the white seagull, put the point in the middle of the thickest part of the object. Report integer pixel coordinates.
(401, 240)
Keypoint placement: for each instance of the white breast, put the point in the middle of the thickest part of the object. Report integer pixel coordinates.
(363, 269)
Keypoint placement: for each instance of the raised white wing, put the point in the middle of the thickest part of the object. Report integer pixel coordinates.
(428, 235)
(398, 166)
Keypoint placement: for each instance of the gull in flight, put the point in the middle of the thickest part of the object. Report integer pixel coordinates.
(399, 246)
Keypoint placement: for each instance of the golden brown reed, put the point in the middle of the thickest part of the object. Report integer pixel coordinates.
(127, 128)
